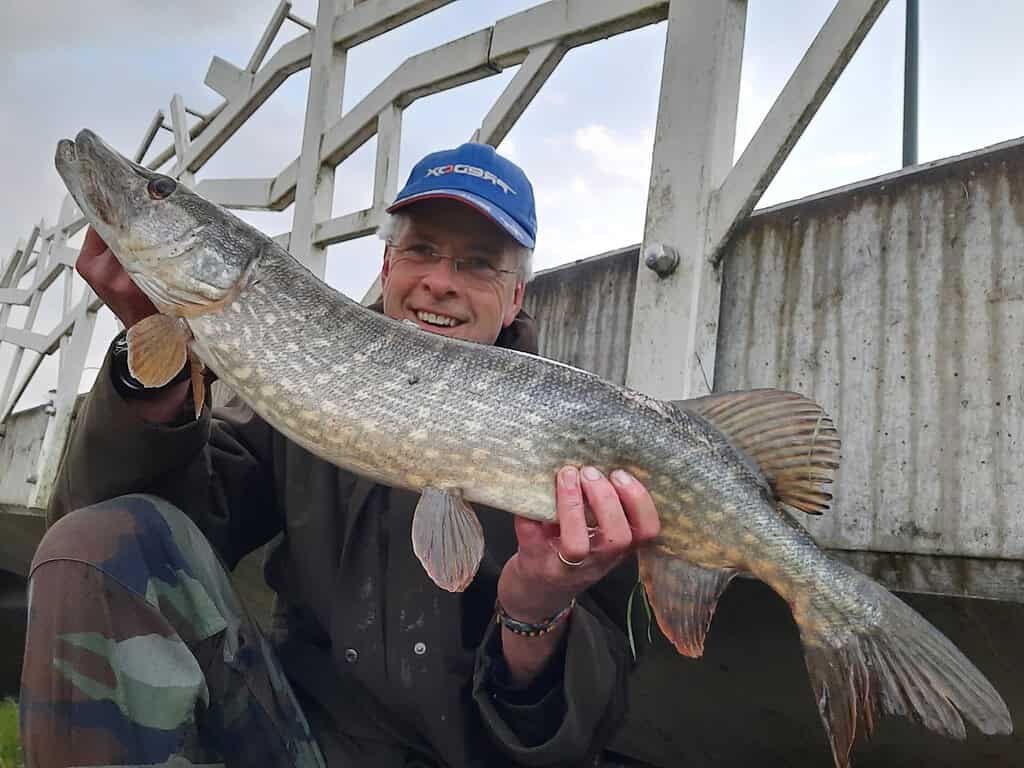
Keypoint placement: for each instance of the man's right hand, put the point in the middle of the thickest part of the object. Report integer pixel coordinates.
(103, 272)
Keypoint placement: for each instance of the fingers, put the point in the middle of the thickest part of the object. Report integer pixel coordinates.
(103, 272)
(574, 542)
(621, 507)
(94, 260)
(638, 506)
(611, 519)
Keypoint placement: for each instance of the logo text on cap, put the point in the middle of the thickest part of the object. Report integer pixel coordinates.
(471, 170)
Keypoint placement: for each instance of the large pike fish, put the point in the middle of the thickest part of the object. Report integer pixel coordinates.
(465, 422)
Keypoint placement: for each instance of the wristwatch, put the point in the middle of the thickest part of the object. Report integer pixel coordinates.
(127, 385)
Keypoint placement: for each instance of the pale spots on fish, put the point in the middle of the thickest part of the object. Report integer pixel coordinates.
(431, 453)
(288, 385)
(523, 444)
(270, 319)
(479, 454)
(419, 435)
(416, 481)
(290, 422)
(309, 415)
(236, 307)
(242, 373)
(268, 390)
(321, 378)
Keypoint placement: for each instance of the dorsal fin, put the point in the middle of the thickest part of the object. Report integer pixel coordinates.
(789, 437)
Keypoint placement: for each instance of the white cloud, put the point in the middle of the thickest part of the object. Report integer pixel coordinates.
(629, 158)
(602, 203)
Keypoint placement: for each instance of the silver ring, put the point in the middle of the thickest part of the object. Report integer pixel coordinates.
(570, 563)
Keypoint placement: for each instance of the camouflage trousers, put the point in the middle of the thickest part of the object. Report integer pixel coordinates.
(139, 652)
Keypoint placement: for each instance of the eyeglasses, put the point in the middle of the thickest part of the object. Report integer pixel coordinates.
(477, 268)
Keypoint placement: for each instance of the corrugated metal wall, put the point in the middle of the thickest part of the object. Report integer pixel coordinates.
(899, 306)
(584, 312)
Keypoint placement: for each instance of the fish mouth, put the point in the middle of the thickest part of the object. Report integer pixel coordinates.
(83, 163)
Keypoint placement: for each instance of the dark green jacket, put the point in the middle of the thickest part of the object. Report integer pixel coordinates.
(390, 668)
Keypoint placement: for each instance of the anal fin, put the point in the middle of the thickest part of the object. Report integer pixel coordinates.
(157, 349)
(447, 538)
(684, 597)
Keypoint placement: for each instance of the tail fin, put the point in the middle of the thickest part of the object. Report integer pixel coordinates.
(876, 652)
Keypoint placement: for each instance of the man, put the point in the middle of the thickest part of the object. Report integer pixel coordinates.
(138, 651)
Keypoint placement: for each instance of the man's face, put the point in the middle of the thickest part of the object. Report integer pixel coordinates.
(472, 303)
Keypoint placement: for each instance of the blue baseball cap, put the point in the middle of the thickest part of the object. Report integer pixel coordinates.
(476, 175)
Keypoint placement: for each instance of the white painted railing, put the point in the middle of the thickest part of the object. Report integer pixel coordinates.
(696, 194)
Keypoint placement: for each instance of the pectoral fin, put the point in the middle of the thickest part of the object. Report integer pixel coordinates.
(157, 349)
(684, 597)
(447, 538)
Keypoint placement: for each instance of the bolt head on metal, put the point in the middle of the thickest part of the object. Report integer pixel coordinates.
(662, 259)
(419, 649)
(351, 655)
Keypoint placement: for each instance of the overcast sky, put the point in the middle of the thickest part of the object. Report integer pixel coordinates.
(585, 141)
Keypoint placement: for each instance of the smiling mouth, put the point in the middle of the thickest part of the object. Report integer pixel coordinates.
(437, 321)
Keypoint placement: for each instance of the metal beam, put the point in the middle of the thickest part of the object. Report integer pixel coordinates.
(269, 33)
(227, 79)
(314, 190)
(810, 83)
(240, 194)
(910, 78)
(371, 19)
(570, 22)
(348, 227)
(518, 94)
(148, 136)
(73, 354)
(675, 317)
(389, 142)
(182, 140)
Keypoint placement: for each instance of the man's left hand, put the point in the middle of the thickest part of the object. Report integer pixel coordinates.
(600, 521)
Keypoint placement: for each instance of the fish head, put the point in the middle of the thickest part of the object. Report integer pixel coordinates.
(182, 250)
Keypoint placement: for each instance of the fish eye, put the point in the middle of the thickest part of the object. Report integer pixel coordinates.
(161, 187)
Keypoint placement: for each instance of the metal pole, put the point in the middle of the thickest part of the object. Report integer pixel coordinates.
(910, 86)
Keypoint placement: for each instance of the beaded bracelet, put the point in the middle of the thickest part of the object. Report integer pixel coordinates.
(525, 628)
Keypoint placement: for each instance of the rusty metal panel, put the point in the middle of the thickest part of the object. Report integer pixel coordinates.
(898, 304)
